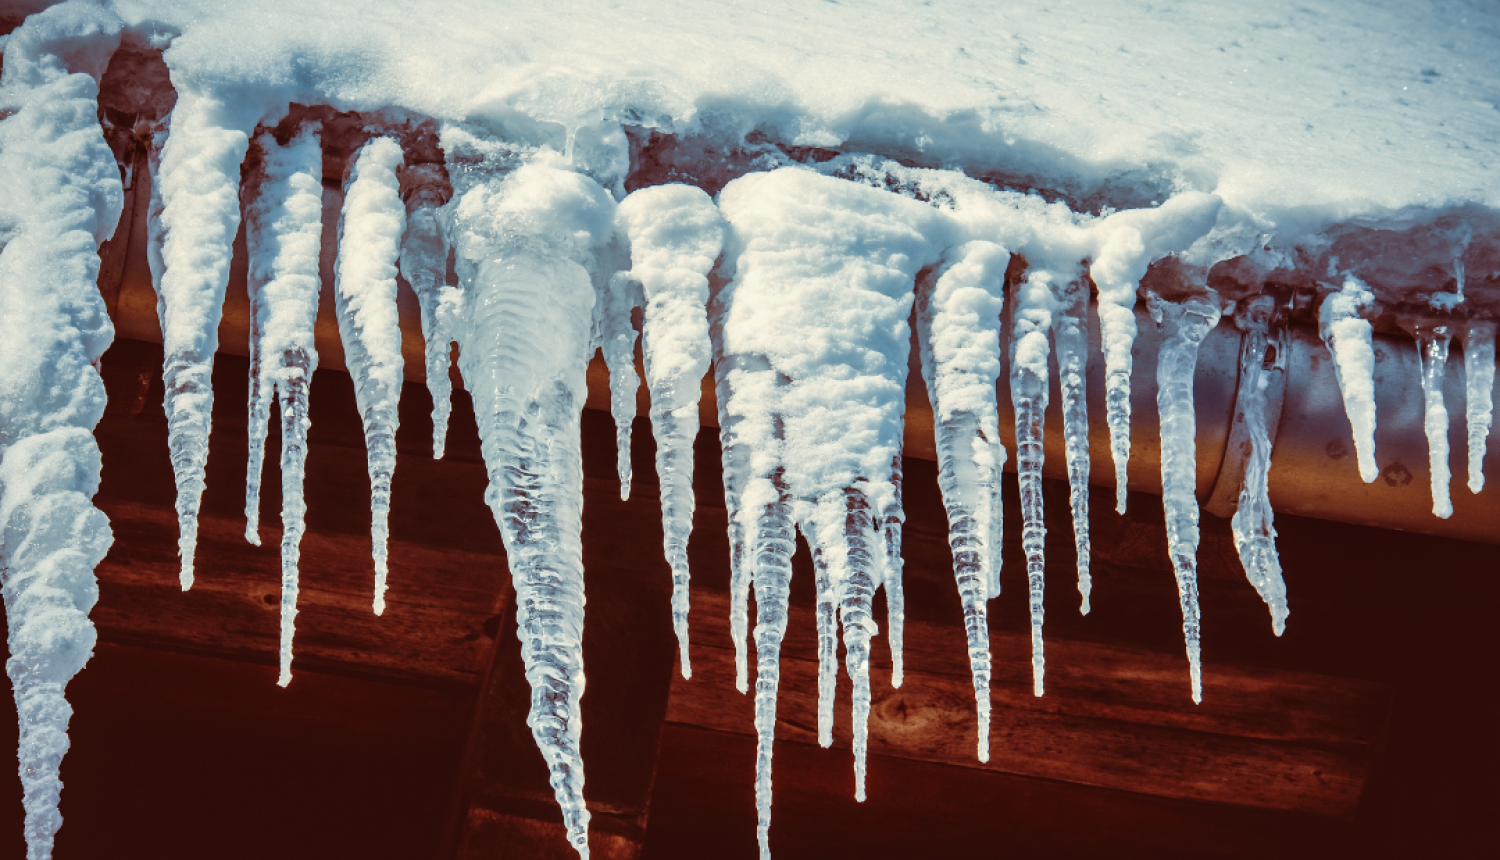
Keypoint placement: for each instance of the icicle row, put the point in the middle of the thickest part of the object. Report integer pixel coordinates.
(370, 229)
(60, 198)
(675, 237)
(1184, 326)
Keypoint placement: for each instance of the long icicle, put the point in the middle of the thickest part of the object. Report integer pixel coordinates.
(1071, 339)
(734, 457)
(61, 199)
(1433, 340)
(1347, 334)
(891, 521)
(958, 324)
(192, 231)
(1252, 524)
(1478, 337)
(524, 234)
(1033, 314)
(370, 228)
(1184, 326)
(675, 237)
(283, 238)
(424, 264)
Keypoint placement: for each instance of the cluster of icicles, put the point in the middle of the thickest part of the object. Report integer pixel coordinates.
(805, 330)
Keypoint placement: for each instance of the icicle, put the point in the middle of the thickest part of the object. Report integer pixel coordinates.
(370, 229)
(1478, 337)
(1184, 325)
(424, 264)
(193, 234)
(1033, 316)
(891, 521)
(1071, 335)
(822, 293)
(734, 458)
(283, 238)
(1433, 340)
(675, 236)
(1347, 334)
(1130, 241)
(621, 300)
(826, 619)
(524, 233)
(958, 324)
(1254, 530)
(60, 197)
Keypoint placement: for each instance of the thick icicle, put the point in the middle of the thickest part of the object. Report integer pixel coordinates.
(60, 197)
(1129, 242)
(424, 264)
(1252, 523)
(1184, 325)
(192, 234)
(1071, 336)
(1433, 340)
(1348, 335)
(1035, 308)
(1478, 338)
(958, 326)
(675, 237)
(283, 240)
(370, 229)
(524, 233)
(822, 292)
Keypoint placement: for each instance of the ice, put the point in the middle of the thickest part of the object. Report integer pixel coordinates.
(1034, 310)
(198, 184)
(60, 197)
(1127, 243)
(618, 334)
(1478, 337)
(822, 290)
(1433, 339)
(734, 457)
(958, 324)
(675, 237)
(1252, 523)
(1348, 336)
(1184, 325)
(370, 230)
(1071, 338)
(283, 238)
(424, 264)
(526, 233)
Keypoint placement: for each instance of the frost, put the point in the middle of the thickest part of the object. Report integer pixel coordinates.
(1035, 307)
(1184, 325)
(1348, 336)
(60, 197)
(283, 237)
(958, 323)
(525, 235)
(675, 237)
(1252, 523)
(424, 264)
(1478, 338)
(816, 322)
(370, 229)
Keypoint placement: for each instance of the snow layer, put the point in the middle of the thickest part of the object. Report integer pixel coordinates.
(60, 197)
(675, 235)
(370, 230)
(283, 237)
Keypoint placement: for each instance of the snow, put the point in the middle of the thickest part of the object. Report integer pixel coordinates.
(370, 230)
(60, 197)
(675, 235)
(283, 237)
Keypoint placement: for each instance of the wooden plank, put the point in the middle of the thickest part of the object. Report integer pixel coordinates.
(1113, 718)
